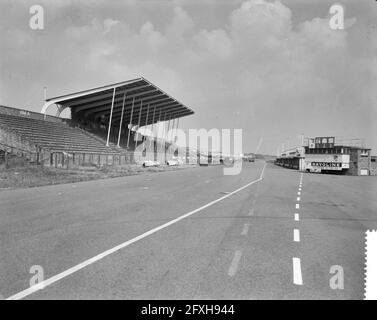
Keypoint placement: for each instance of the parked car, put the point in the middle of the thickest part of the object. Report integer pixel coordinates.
(150, 163)
(172, 162)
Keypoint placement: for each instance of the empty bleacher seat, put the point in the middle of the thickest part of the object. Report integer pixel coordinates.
(55, 136)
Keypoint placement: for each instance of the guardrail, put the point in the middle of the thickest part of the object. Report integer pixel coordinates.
(66, 159)
(15, 151)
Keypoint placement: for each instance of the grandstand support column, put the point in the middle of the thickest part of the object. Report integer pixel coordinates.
(176, 130)
(59, 110)
(130, 125)
(163, 132)
(138, 122)
(121, 118)
(158, 126)
(154, 111)
(157, 135)
(172, 131)
(111, 116)
(171, 124)
(146, 121)
(167, 137)
(49, 104)
(167, 129)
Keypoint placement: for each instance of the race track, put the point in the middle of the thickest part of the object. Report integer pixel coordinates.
(210, 237)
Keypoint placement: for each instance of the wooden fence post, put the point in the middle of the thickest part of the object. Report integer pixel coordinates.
(6, 159)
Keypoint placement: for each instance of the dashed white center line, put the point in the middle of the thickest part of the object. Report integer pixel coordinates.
(245, 229)
(296, 235)
(234, 265)
(297, 276)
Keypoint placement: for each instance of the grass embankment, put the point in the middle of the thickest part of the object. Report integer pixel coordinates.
(33, 176)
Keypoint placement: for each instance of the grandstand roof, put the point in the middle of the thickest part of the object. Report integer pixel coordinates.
(97, 102)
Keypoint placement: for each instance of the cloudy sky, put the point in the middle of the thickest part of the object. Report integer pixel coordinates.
(273, 68)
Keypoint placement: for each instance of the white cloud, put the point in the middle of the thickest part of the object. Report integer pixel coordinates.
(214, 44)
(258, 71)
(180, 25)
(108, 24)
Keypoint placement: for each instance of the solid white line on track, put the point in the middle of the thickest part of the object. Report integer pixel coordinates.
(66, 273)
(245, 229)
(297, 217)
(296, 235)
(234, 265)
(297, 276)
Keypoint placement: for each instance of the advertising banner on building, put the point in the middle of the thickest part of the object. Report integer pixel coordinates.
(327, 162)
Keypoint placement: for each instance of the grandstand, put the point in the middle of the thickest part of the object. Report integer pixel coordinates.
(53, 135)
(103, 128)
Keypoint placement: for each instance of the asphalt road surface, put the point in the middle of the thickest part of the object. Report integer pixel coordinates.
(189, 234)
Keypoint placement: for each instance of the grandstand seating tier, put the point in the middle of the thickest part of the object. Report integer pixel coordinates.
(55, 136)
